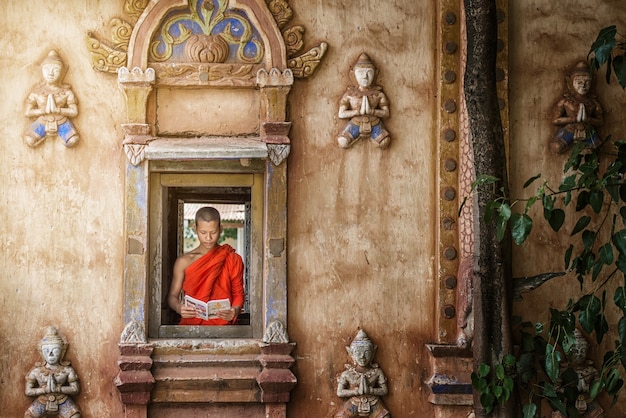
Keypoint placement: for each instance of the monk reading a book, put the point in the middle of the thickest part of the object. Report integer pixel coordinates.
(209, 272)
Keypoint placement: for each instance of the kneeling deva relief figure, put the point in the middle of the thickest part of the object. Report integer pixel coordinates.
(53, 380)
(52, 103)
(364, 105)
(362, 383)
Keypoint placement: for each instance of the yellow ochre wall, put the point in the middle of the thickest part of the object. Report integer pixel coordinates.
(362, 222)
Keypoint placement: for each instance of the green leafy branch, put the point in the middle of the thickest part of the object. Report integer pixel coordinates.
(594, 191)
(495, 386)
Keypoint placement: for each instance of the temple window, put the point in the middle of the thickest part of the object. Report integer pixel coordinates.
(171, 196)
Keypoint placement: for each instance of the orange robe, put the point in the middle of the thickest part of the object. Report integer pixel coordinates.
(216, 275)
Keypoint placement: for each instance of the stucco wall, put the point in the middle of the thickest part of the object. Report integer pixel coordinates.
(361, 221)
(360, 243)
(62, 209)
(361, 233)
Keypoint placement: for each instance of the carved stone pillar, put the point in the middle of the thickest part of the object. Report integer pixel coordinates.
(136, 85)
(275, 86)
(276, 380)
(134, 381)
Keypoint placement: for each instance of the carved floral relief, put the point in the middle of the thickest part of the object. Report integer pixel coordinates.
(212, 33)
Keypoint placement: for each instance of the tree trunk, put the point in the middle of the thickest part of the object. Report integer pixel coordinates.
(492, 275)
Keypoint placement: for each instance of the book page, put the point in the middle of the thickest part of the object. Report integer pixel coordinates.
(207, 310)
(213, 306)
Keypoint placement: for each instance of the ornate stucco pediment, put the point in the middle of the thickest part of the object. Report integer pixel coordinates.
(205, 42)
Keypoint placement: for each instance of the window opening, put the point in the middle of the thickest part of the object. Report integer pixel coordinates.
(177, 197)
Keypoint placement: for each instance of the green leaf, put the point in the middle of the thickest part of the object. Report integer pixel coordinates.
(509, 360)
(483, 179)
(621, 263)
(619, 67)
(614, 382)
(589, 308)
(556, 219)
(609, 66)
(621, 329)
(597, 269)
(589, 238)
(490, 207)
(604, 44)
(596, 200)
(622, 192)
(568, 255)
(497, 391)
(595, 388)
(521, 225)
(582, 201)
(529, 203)
(483, 370)
(553, 358)
(568, 183)
(499, 371)
(548, 202)
(549, 390)
(613, 190)
(606, 254)
(581, 224)
(531, 180)
(601, 327)
(504, 211)
(504, 214)
(557, 404)
(622, 211)
(508, 383)
(487, 400)
(619, 297)
(619, 240)
(529, 409)
(568, 198)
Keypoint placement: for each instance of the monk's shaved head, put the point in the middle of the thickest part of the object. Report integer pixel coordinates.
(208, 214)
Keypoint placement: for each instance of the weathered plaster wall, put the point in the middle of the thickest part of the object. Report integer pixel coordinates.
(361, 236)
(361, 221)
(545, 39)
(62, 209)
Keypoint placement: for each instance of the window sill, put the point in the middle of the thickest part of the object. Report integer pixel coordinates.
(204, 331)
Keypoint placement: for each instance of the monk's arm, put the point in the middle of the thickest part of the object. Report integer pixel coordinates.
(173, 297)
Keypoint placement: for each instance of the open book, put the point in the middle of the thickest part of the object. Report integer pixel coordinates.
(207, 310)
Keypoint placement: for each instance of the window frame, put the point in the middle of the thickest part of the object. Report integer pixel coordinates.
(163, 180)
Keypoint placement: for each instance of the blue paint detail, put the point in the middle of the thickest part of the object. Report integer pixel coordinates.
(233, 25)
(457, 389)
(39, 129)
(442, 384)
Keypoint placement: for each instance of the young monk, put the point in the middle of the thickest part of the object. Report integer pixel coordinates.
(208, 272)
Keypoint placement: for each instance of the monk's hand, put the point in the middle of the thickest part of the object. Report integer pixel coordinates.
(186, 311)
(229, 314)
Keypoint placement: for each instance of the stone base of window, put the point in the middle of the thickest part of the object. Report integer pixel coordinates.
(232, 378)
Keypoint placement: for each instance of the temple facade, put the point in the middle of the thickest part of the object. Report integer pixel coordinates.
(336, 130)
